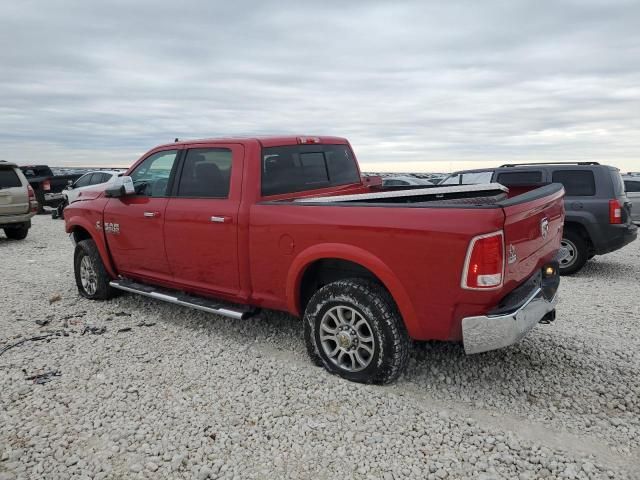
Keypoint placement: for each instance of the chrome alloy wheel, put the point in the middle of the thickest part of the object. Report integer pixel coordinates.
(347, 338)
(569, 253)
(88, 276)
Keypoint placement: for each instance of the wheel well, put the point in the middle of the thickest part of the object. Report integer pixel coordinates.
(580, 230)
(322, 272)
(80, 234)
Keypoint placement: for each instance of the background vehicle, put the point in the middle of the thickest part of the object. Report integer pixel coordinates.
(90, 180)
(17, 201)
(233, 225)
(632, 190)
(598, 213)
(47, 186)
(404, 181)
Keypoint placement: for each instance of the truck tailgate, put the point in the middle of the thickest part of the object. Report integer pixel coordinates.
(533, 230)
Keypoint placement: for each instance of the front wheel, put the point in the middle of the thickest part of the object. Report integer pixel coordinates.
(575, 253)
(91, 277)
(353, 328)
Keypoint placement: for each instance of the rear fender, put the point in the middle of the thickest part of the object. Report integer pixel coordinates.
(77, 222)
(360, 257)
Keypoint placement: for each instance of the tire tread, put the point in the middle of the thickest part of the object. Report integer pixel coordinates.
(395, 360)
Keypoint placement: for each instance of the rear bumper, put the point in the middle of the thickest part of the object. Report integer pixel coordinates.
(617, 236)
(8, 220)
(507, 325)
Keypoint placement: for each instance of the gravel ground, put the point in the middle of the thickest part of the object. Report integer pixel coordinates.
(185, 394)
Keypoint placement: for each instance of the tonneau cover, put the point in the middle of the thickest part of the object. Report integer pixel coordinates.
(436, 192)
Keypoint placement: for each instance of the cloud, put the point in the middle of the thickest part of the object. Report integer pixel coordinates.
(413, 85)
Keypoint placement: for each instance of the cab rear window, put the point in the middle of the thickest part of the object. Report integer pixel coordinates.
(297, 168)
(9, 178)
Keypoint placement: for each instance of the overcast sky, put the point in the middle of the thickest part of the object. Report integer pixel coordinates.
(415, 86)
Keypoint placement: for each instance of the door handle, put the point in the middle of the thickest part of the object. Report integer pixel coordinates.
(151, 214)
(220, 219)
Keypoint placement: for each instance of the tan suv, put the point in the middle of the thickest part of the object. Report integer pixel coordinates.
(17, 201)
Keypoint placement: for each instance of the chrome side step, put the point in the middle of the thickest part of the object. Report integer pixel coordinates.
(178, 298)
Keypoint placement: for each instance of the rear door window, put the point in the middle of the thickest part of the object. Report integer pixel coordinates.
(577, 183)
(83, 181)
(526, 177)
(206, 173)
(9, 178)
(96, 178)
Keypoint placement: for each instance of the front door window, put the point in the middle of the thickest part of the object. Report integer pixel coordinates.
(151, 177)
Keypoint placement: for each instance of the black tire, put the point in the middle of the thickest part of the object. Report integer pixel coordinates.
(580, 252)
(54, 213)
(383, 321)
(17, 233)
(102, 290)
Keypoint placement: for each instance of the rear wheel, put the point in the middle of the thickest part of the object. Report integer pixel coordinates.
(91, 277)
(575, 253)
(17, 233)
(353, 329)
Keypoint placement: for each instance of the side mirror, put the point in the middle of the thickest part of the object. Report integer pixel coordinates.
(121, 187)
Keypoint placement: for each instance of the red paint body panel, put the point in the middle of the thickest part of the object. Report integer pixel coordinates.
(260, 253)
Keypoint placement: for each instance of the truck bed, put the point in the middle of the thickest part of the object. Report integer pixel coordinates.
(492, 195)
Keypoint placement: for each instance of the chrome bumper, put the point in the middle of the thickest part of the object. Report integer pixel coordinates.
(490, 332)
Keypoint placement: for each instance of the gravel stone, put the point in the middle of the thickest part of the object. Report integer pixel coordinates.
(185, 394)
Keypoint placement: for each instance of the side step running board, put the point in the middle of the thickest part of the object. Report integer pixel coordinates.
(198, 303)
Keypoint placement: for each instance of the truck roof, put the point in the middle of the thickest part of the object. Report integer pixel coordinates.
(265, 141)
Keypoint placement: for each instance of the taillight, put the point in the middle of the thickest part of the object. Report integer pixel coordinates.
(46, 185)
(33, 203)
(484, 265)
(615, 212)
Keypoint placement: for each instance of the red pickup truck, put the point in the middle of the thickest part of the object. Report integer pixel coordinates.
(287, 223)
